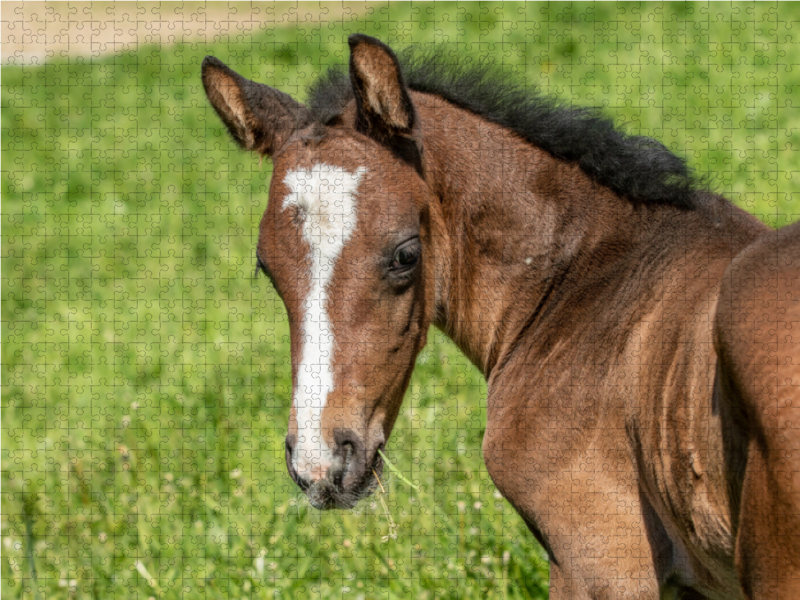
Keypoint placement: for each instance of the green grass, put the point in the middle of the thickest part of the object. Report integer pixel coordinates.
(146, 375)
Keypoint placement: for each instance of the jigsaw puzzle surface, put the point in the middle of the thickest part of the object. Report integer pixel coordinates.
(147, 383)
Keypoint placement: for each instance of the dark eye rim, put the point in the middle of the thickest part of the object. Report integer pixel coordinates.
(397, 269)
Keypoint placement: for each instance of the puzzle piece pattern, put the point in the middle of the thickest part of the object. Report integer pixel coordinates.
(147, 375)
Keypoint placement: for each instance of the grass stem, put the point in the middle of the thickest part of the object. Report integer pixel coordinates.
(396, 471)
(392, 525)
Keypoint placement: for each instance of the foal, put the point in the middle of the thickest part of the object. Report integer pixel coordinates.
(635, 331)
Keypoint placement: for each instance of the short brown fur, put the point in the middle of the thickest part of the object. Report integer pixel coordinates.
(641, 358)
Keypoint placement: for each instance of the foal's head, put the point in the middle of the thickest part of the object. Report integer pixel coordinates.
(346, 241)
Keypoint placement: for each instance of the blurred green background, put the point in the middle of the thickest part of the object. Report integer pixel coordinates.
(146, 376)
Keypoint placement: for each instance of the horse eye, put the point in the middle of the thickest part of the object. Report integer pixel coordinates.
(405, 256)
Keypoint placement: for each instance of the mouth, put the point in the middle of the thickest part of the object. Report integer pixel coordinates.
(332, 493)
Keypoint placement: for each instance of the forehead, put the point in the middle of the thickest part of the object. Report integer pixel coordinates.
(325, 194)
(342, 173)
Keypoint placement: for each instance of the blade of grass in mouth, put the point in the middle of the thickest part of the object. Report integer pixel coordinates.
(396, 471)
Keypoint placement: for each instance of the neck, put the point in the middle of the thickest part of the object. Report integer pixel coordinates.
(514, 237)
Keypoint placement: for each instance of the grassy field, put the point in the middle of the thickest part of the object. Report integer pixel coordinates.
(146, 375)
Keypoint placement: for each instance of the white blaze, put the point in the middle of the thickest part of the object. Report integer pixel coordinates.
(325, 197)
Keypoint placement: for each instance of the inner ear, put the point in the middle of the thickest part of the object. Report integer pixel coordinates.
(258, 117)
(383, 104)
(225, 94)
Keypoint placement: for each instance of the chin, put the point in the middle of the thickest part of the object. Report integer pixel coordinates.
(343, 494)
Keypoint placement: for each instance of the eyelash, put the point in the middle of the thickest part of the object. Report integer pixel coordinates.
(398, 268)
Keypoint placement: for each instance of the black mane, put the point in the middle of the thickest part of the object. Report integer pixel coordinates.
(640, 168)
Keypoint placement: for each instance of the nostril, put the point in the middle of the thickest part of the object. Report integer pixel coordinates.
(348, 450)
(347, 441)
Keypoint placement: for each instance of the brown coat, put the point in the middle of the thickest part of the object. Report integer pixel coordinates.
(640, 353)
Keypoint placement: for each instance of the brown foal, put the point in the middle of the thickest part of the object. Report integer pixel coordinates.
(636, 332)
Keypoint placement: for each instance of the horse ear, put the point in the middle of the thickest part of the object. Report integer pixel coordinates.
(258, 117)
(384, 107)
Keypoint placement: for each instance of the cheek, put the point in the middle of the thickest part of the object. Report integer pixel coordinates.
(404, 324)
(372, 320)
(376, 341)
